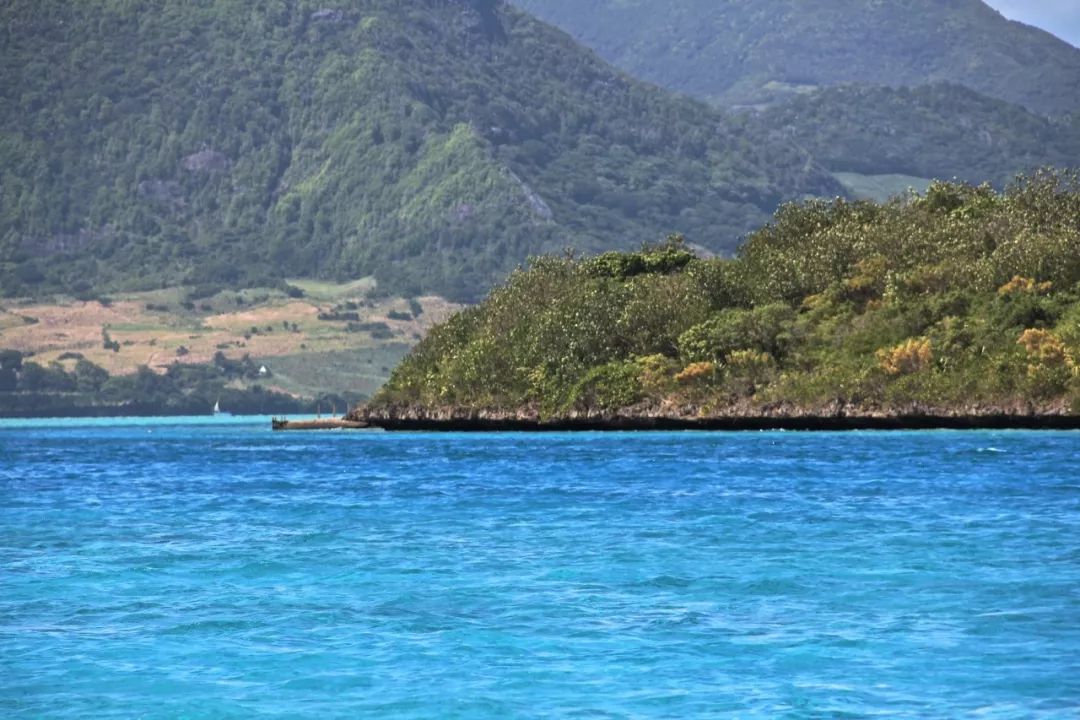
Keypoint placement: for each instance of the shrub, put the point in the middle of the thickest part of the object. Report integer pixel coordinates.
(1024, 310)
(89, 377)
(696, 372)
(668, 257)
(1046, 350)
(11, 359)
(377, 330)
(913, 356)
(36, 378)
(657, 373)
(764, 329)
(609, 387)
(107, 342)
(1022, 285)
(339, 316)
(750, 364)
(869, 281)
(713, 339)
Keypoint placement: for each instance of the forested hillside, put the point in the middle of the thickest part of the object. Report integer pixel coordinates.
(750, 52)
(433, 144)
(961, 302)
(931, 131)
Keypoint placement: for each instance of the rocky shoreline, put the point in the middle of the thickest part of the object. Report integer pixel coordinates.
(739, 417)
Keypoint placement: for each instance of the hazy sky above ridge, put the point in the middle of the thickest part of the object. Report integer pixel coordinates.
(1060, 17)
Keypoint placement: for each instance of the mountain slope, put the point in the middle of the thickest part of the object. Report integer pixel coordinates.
(433, 144)
(934, 131)
(749, 52)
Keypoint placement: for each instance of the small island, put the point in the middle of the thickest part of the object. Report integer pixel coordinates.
(959, 307)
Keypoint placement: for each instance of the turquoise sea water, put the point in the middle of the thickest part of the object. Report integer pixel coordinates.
(164, 570)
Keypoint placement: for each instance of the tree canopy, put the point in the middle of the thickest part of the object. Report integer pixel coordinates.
(959, 296)
(432, 144)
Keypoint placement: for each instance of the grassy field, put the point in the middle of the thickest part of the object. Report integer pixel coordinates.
(336, 338)
(361, 371)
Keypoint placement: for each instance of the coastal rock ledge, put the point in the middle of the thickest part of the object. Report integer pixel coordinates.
(777, 416)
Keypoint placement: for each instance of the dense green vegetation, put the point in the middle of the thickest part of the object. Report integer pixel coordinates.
(933, 131)
(748, 52)
(970, 73)
(958, 297)
(29, 389)
(433, 144)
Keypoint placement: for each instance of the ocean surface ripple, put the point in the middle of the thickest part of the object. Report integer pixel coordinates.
(165, 570)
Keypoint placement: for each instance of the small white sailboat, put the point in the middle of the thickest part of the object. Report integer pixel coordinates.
(217, 409)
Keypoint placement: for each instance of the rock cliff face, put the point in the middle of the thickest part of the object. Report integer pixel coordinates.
(741, 416)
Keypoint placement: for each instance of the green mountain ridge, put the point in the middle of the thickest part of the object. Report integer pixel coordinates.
(941, 131)
(433, 144)
(752, 52)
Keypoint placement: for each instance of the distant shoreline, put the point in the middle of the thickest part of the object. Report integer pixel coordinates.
(120, 411)
(130, 415)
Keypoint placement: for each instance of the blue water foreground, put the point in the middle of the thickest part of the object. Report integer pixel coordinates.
(164, 569)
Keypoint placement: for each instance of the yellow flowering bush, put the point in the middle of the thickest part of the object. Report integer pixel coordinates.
(1051, 366)
(695, 372)
(657, 373)
(912, 356)
(1024, 286)
(1045, 349)
(750, 364)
